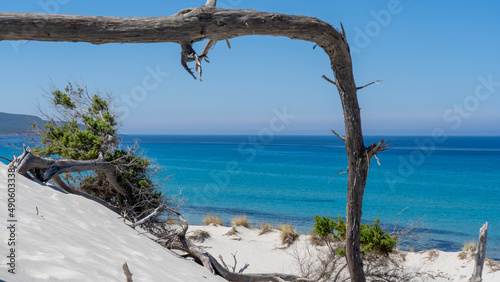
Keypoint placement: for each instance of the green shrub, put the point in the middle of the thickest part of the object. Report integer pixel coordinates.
(372, 237)
(341, 252)
(326, 227)
(83, 126)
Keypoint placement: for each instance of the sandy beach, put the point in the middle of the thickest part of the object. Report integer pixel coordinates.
(265, 253)
(61, 237)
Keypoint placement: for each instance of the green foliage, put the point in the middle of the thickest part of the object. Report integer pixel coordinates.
(375, 239)
(372, 237)
(87, 130)
(84, 132)
(62, 99)
(325, 227)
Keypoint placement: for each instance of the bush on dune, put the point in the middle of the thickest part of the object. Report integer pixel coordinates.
(82, 130)
(372, 238)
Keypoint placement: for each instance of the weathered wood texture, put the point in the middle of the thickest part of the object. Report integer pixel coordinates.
(188, 25)
(47, 168)
(127, 272)
(480, 254)
(196, 24)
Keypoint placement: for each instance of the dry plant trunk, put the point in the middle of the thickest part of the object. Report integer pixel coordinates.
(208, 22)
(48, 168)
(480, 254)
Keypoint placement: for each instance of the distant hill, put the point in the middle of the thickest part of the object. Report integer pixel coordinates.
(15, 124)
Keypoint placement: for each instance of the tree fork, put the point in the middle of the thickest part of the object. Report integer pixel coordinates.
(208, 22)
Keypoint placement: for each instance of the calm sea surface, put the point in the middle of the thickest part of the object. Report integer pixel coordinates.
(453, 184)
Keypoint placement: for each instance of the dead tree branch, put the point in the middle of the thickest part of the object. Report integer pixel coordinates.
(338, 135)
(127, 272)
(410, 231)
(5, 159)
(47, 168)
(243, 268)
(342, 171)
(142, 221)
(211, 3)
(208, 47)
(373, 82)
(196, 24)
(186, 27)
(329, 80)
(381, 146)
(188, 55)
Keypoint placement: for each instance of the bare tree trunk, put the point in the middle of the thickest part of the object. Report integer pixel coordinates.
(207, 22)
(480, 254)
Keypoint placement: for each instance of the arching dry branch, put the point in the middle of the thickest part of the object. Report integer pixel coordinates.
(47, 168)
(208, 22)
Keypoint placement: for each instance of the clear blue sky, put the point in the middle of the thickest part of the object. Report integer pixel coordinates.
(430, 53)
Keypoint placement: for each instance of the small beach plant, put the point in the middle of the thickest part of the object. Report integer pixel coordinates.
(199, 236)
(213, 219)
(316, 240)
(469, 246)
(288, 234)
(265, 227)
(240, 221)
(432, 254)
(232, 231)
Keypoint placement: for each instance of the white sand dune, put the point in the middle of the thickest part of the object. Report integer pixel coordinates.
(61, 237)
(265, 253)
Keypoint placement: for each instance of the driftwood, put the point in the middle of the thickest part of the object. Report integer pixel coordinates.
(127, 272)
(179, 242)
(480, 254)
(235, 264)
(208, 22)
(142, 221)
(47, 168)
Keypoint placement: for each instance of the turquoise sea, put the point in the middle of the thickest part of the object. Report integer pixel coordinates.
(453, 183)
